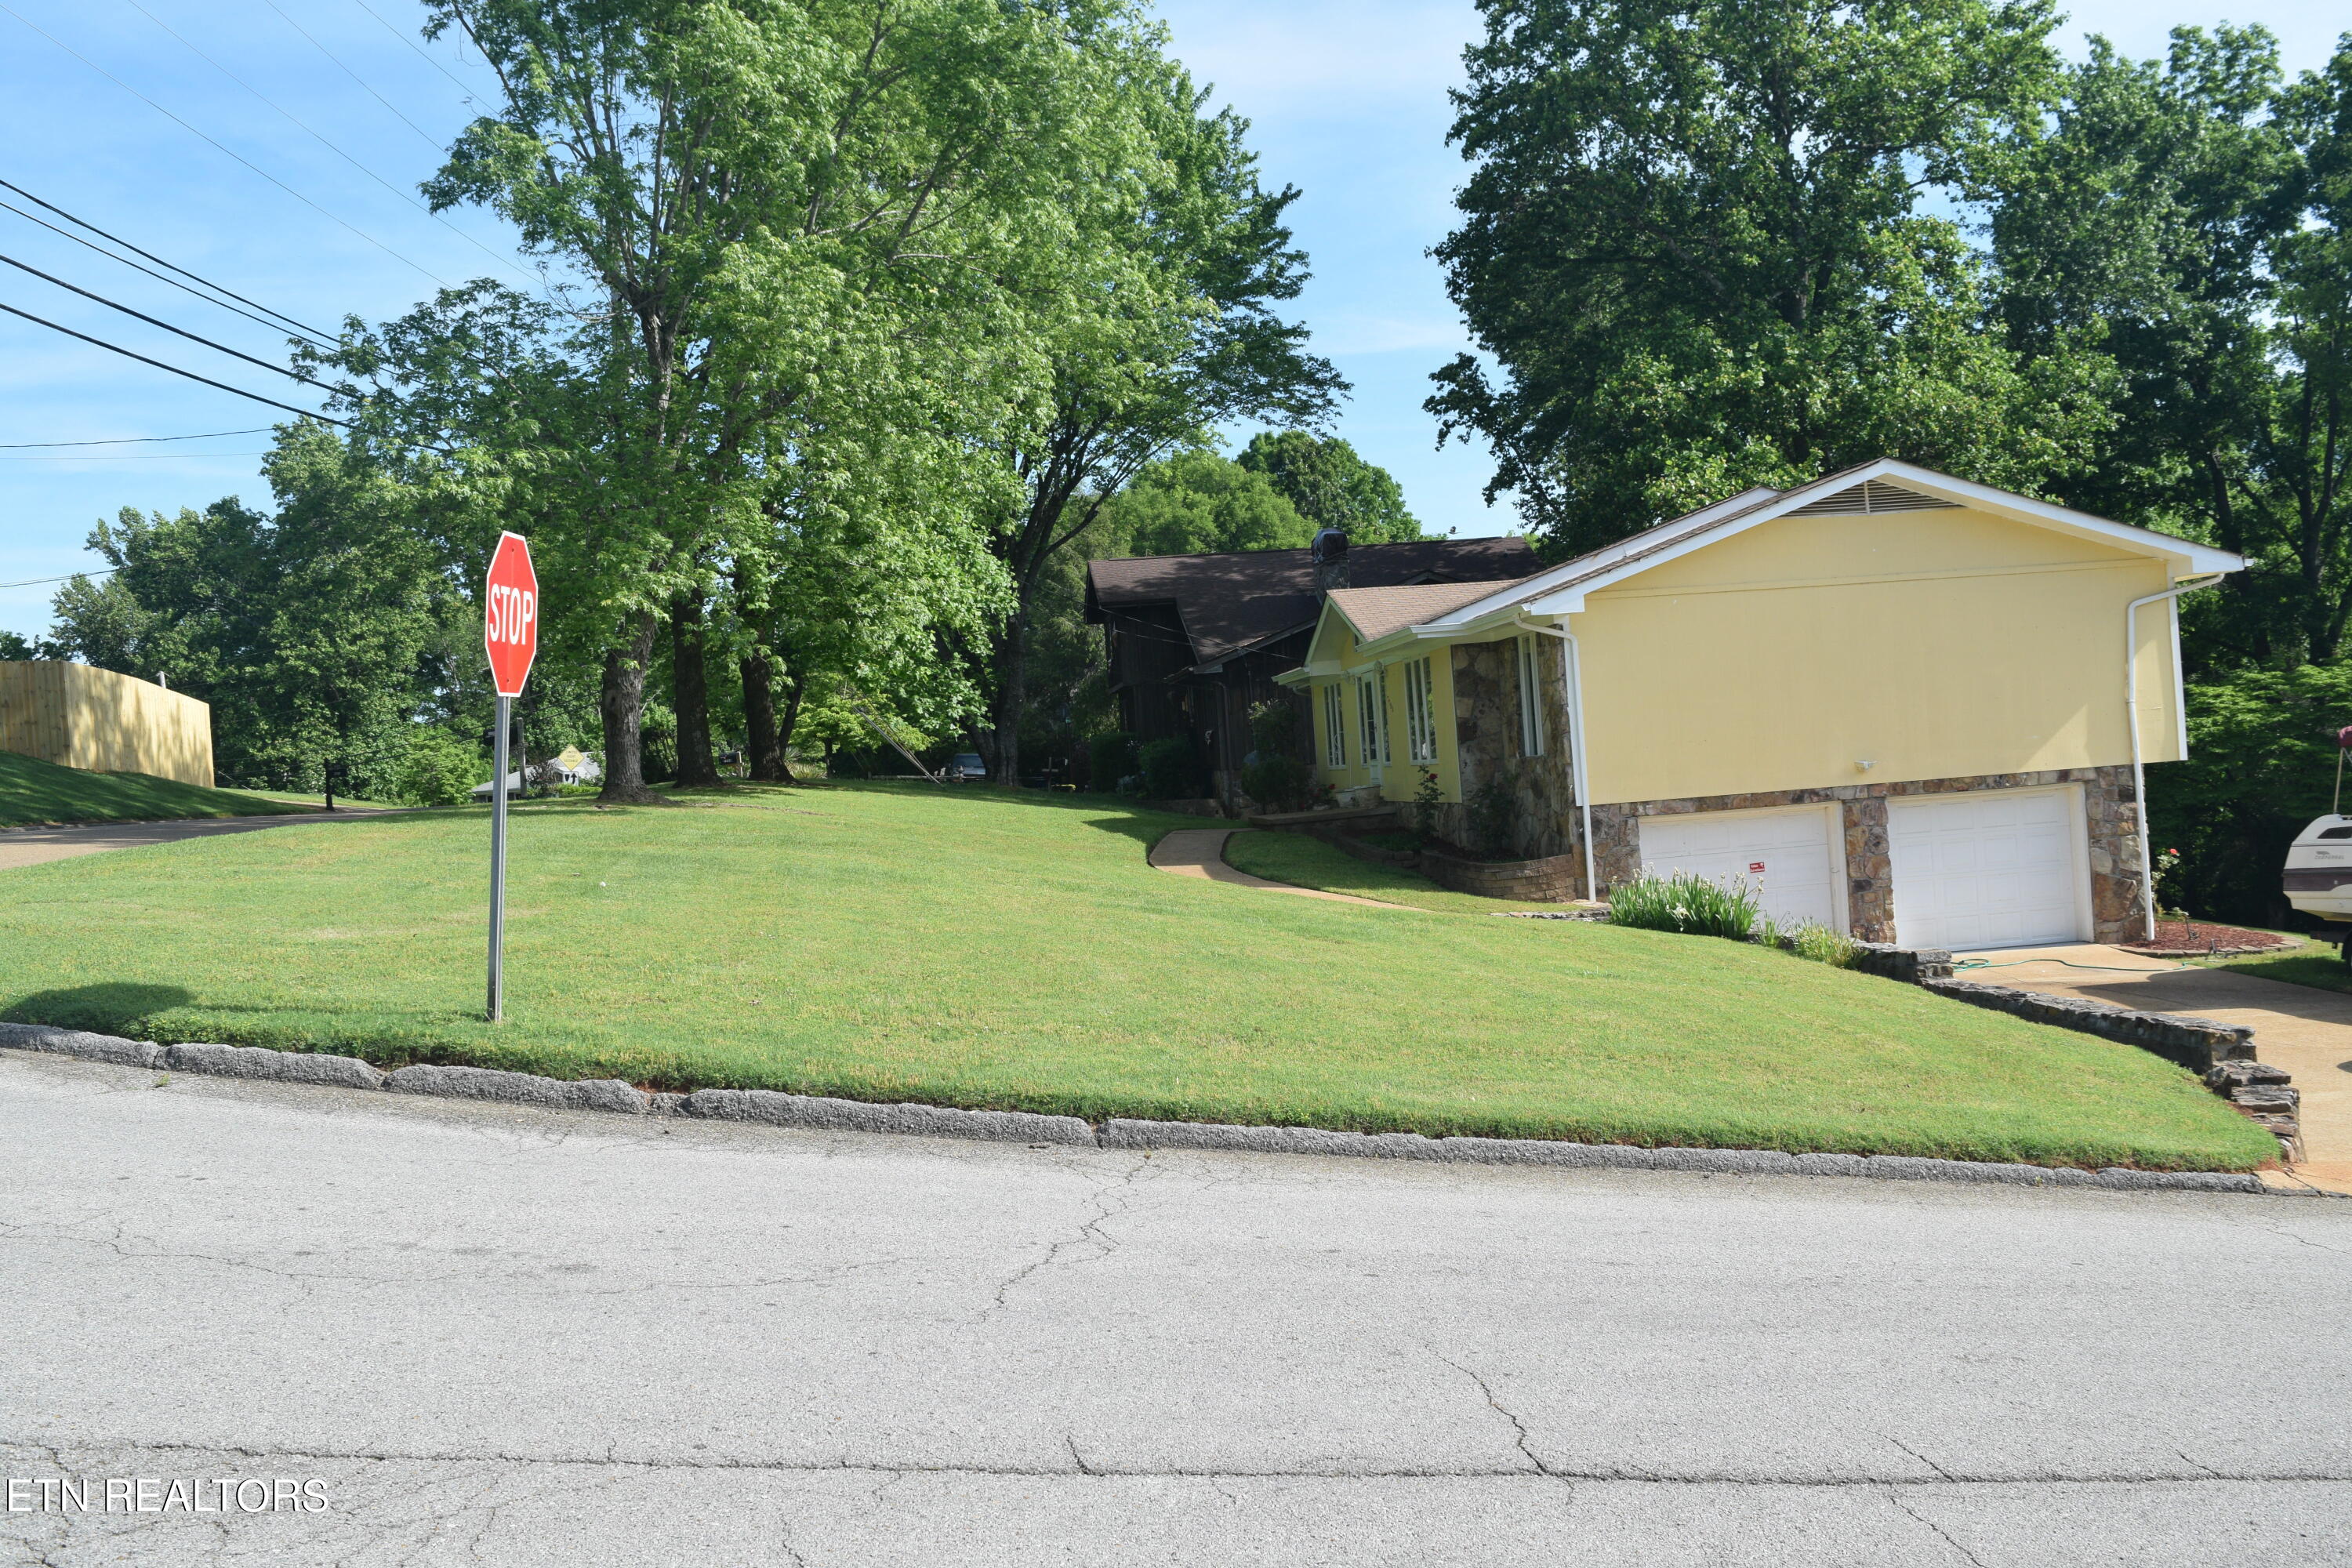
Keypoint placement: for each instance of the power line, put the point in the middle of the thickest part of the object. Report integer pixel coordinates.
(37, 582)
(355, 76)
(122, 456)
(182, 331)
(175, 369)
(321, 141)
(323, 339)
(238, 156)
(127, 440)
(197, 293)
(412, 43)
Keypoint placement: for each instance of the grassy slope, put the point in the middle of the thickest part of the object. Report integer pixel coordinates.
(1305, 862)
(887, 941)
(32, 791)
(2319, 964)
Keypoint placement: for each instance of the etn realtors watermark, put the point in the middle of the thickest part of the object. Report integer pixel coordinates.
(165, 1494)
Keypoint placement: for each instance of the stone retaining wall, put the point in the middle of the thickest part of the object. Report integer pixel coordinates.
(1555, 879)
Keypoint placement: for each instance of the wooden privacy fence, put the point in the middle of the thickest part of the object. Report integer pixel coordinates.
(82, 717)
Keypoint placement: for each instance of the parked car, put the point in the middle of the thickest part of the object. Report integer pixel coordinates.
(966, 765)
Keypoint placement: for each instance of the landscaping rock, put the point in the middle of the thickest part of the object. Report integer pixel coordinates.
(517, 1088)
(2222, 1078)
(2266, 1100)
(87, 1047)
(283, 1066)
(2197, 1044)
(857, 1116)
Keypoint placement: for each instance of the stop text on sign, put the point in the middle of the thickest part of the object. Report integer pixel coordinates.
(511, 613)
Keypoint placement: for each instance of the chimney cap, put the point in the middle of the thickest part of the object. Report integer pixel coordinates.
(1330, 545)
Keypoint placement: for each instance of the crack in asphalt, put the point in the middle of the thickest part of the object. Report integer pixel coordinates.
(1109, 1203)
(1937, 1468)
(1519, 1428)
(1095, 1469)
(1973, 1559)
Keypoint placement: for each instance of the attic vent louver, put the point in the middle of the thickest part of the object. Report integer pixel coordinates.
(1870, 498)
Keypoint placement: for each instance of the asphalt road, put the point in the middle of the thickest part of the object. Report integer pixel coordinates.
(37, 846)
(518, 1337)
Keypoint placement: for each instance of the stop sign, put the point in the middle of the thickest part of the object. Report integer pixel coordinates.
(510, 614)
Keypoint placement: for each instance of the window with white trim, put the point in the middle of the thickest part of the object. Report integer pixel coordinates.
(1420, 711)
(1531, 724)
(1334, 726)
(1372, 734)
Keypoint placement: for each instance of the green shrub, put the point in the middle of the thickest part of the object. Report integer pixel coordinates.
(1274, 773)
(1686, 902)
(436, 768)
(1822, 944)
(657, 742)
(1493, 809)
(1173, 771)
(1109, 758)
(1422, 813)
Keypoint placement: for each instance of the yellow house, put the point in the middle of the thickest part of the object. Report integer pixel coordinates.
(1898, 703)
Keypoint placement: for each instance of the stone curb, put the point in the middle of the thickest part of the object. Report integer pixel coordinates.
(819, 1113)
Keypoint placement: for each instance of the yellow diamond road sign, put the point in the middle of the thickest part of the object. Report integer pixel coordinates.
(570, 759)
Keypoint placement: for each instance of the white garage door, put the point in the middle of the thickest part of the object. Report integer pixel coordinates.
(1992, 868)
(1787, 855)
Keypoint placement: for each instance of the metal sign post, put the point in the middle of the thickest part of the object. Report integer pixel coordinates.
(510, 637)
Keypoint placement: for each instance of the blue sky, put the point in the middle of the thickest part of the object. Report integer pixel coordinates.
(337, 118)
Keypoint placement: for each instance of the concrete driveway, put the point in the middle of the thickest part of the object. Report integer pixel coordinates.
(33, 846)
(493, 1335)
(2308, 1032)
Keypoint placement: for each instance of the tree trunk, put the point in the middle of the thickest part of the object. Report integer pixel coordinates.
(1012, 692)
(691, 681)
(621, 703)
(763, 743)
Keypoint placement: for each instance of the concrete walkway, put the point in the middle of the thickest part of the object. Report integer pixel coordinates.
(1201, 852)
(33, 846)
(2308, 1032)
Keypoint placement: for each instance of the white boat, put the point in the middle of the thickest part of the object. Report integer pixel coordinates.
(2319, 868)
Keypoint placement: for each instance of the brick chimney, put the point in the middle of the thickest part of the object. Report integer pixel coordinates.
(1330, 553)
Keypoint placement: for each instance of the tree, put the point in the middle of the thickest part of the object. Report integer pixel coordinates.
(1331, 486)
(1695, 243)
(1162, 325)
(1199, 501)
(784, 207)
(305, 630)
(2152, 221)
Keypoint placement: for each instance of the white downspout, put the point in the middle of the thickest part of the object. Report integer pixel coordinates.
(2131, 721)
(1572, 691)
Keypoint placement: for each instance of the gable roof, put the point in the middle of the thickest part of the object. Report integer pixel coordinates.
(1234, 600)
(1881, 484)
(1376, 613)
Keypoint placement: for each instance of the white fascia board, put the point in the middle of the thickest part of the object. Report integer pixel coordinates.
(2190, 558)
(1300, 675)
(1505, 601)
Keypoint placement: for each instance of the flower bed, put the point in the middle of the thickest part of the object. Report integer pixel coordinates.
(2200, 939)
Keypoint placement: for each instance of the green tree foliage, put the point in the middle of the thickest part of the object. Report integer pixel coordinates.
(436, 768)
(1160, 324)
(2262, 764)
(2179, 215)
(305, 630)
(1199, 501)
(1331, 486)
(1696, 243)
(805, 226)
(16, 649)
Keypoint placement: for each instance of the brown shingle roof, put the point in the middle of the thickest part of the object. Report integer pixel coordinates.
(1377, 612)
(1232, 600)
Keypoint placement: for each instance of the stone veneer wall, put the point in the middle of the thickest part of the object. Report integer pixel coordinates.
(1486, 738)
(1870, 891)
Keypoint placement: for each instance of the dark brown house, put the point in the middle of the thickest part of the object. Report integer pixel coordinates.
(1194, 641)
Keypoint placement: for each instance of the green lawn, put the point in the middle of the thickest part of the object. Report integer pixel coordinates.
(1305, 862)
(2319, 964)
(978, 948)
(34, 792)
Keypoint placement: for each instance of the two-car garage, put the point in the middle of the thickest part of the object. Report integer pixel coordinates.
(2003, 868)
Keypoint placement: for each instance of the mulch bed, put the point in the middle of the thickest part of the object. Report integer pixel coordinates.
(2189, 939)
